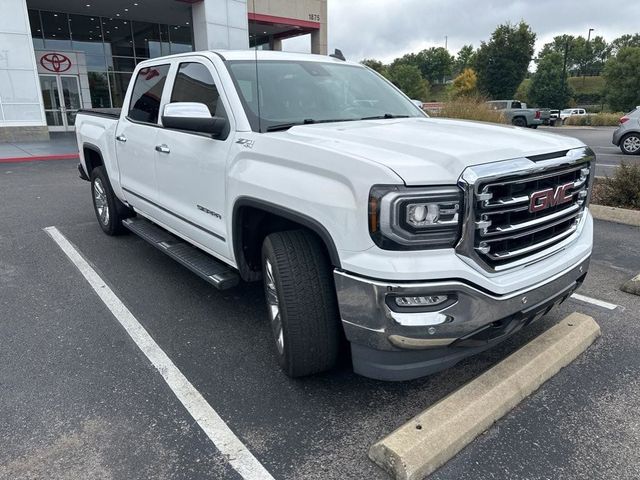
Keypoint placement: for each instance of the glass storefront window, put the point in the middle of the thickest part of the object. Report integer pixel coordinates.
(56, 30)
(99, 89)
(123, 64)
(118, 37)
(180, 39)
(86, 34)
(119, 83)
(146, 38)
(36, 29)
(164, 41)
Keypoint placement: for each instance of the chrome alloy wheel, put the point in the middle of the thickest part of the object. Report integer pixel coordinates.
(631, 144)
(100, 201)
(274, 306)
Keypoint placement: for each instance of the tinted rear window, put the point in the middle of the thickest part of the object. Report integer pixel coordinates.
(147, 93)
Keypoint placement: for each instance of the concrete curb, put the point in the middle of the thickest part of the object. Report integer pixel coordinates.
(614, 214)
(430, 439)
(632, 286)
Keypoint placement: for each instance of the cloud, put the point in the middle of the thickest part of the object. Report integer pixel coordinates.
(385, 29)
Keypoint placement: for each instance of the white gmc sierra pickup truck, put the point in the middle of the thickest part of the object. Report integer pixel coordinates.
(420, 241)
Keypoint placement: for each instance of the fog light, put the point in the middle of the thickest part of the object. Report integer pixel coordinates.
(422, 301)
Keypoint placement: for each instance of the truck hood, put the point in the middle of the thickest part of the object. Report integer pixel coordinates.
(428, 150)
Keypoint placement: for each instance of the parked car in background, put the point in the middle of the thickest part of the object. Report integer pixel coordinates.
(570, 112)
(517, 113)
(627, 135)
(554, 115)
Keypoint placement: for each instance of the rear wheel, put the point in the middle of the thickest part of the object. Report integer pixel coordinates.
(110, 211)
(630, 144)
(519, 122)
(301, 302)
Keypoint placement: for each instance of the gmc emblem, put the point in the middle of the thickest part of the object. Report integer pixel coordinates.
(550, 197)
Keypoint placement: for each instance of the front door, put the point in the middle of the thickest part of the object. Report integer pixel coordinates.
(190, 167)
(61, 97)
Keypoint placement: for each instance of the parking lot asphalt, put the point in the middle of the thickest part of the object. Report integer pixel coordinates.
(79, 400)
(599, 139)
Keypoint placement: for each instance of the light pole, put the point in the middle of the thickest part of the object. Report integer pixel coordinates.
(587, 54)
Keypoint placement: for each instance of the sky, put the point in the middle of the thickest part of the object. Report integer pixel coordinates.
(386, 29)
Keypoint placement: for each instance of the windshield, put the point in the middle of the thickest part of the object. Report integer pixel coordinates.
(298, 92)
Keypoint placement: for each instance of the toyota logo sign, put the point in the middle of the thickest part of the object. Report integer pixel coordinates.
(55, 62)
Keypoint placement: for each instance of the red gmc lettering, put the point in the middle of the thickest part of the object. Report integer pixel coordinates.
(550, 197)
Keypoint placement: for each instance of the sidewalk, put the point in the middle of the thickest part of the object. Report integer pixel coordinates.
(61, 146)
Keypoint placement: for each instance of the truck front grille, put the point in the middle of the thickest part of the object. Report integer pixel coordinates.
(524, 215)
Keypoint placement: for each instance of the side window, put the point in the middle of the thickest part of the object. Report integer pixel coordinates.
(144, 105)
(194, 83)
(516, 105)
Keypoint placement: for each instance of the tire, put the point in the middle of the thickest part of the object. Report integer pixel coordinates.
(630, 144)
(109, 210)
(519, 122)
(301, 302)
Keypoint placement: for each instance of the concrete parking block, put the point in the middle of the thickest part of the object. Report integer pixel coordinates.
(632, 286)
(614, 214)
(430, 439)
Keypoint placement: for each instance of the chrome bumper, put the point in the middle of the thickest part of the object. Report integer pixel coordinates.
(390, 345)
(369, 321)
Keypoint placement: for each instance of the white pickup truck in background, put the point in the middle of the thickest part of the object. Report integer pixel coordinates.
(419, 241)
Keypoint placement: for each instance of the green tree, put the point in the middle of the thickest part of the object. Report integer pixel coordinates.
(409, 79)
(376, 65)
(502, 63)
(622, 81)
(549, 87)
(465, 84)
(435, 64)
(583, 58)
(625, 41)
(464, 59)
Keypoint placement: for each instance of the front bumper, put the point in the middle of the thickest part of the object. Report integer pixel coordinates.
(389, 345)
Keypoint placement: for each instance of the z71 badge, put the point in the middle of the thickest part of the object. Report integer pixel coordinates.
(245, 142)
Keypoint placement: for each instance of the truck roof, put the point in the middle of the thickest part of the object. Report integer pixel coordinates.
(261, 55)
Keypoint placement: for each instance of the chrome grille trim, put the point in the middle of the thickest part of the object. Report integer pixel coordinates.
(499, 232)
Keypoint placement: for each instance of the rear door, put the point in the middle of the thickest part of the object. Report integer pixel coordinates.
(136, 135)
(191, 167)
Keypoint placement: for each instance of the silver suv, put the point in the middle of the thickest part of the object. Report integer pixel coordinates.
(627, 135)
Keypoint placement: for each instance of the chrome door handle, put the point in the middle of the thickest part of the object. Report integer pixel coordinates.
(121, 138)
(162, 148)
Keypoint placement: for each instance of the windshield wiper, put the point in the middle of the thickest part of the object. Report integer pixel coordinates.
(307, 121)
(385, 116)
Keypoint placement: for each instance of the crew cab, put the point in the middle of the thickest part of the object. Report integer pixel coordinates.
(414, 241)
(518, 114)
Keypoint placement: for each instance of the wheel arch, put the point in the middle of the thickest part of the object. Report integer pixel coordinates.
(258, 218)
(92, 157)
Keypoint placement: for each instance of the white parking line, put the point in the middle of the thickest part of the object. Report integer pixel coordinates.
(238, 456)
(595, 301)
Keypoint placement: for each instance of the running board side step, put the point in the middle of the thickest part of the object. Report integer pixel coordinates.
(202, 264)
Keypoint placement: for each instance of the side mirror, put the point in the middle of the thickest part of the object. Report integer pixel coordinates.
(418, 103)
(192, 117)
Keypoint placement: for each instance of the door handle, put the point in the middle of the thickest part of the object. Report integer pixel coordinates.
(121, 138)
(162, 148)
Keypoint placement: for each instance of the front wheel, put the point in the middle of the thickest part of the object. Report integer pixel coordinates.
(110, 211)
(301, 302)
(630, 144)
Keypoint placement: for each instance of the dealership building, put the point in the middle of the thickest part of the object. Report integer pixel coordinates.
(58, 57)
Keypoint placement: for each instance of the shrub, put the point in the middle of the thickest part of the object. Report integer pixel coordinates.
(465, 84)
(595, 119)
(621, 190)
(470, 108)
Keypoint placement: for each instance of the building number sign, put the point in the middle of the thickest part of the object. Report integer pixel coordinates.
(314, 17)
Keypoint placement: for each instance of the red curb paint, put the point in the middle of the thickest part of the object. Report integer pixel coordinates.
(70, 156)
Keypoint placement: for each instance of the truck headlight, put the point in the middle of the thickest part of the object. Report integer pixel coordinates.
(407, 218)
